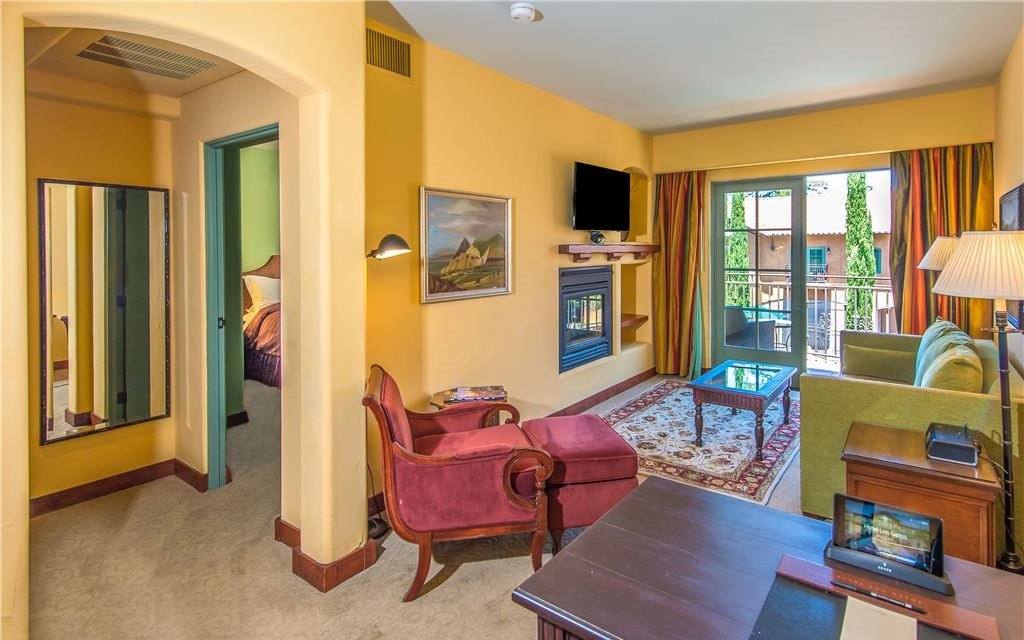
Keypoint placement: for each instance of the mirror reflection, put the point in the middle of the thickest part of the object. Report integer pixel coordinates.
(105, 307)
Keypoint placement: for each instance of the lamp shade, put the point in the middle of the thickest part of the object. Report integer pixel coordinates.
(390, 245)
(938, 254)
(985, 264)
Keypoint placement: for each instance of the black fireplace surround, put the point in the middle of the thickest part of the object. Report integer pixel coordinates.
(584, 316)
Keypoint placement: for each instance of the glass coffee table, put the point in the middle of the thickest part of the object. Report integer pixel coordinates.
(748, 386)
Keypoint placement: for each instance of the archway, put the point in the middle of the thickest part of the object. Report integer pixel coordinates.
(296, 46)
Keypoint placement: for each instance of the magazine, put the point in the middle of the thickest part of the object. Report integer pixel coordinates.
(471, 394)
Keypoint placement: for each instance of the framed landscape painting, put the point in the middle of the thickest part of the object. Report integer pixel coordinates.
(1011, 218)
(465, 245)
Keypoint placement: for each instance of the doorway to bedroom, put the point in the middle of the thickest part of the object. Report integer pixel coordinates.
(243, 247)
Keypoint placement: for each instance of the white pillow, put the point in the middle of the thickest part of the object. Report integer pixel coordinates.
(263, 291)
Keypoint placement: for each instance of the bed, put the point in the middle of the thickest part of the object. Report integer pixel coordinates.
(261, 322)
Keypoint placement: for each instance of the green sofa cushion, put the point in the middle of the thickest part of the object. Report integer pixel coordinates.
(956, 369)
(866, 362)
(941, 336)
(1016, 385)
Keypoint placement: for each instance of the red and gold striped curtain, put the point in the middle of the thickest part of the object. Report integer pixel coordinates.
(936, 192)
(678, 229)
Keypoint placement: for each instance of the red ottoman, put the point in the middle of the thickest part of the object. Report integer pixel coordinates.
(594, 469)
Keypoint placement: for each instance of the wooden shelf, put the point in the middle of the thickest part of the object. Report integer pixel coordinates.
(584, 252)
(632, 320)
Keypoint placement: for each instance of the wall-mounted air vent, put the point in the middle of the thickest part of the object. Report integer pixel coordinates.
(141, 57)
(388, 53)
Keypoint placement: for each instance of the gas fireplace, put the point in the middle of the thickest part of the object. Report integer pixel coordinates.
(585, 316)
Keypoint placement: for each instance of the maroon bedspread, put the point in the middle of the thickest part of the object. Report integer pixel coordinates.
(264, 332)
(263, 346)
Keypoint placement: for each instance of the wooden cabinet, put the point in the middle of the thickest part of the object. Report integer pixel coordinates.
(890, 466)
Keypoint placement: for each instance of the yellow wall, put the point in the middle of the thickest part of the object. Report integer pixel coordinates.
(236, 104)
(74, 142)
(458, 125)
(959, 117)
(1008, 149)
(315, 52)
(82, 311)
(830, 141)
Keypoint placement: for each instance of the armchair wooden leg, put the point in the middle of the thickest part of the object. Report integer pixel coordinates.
(556, 540)
(421, 570)
(537, 547)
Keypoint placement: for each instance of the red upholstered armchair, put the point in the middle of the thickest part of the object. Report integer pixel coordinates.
(448, 477)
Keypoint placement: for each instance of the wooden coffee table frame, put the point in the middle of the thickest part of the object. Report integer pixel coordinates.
(736, 399)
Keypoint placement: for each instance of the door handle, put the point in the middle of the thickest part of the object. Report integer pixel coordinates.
(221, 323)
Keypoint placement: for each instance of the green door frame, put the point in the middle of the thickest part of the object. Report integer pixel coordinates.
(798, 274)
(217, 156)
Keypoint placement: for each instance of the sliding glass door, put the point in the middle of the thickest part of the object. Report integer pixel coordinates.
(758, 271)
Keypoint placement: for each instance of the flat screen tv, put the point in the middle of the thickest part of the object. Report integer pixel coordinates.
(600, 200)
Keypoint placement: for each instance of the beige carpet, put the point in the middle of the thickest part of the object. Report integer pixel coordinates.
(163, 561)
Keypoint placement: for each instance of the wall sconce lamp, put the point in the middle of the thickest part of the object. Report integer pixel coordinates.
(390, 246)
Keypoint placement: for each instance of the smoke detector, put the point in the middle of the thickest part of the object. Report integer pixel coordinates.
(523, 12)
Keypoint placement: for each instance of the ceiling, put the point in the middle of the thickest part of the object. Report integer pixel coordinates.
(665, 66)
(123, 60)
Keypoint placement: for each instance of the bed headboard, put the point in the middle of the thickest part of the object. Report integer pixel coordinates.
(270, 269)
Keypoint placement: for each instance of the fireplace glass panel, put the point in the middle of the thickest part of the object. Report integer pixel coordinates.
(584, 318)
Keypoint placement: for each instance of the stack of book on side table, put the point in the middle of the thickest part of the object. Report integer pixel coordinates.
(495, 393)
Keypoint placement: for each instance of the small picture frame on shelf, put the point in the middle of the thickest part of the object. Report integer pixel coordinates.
(1011, 218)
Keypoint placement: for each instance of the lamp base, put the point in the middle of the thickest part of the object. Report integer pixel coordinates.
(1010, 562)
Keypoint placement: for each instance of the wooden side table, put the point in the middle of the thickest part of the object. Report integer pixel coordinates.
(889, 465)
(437, 400)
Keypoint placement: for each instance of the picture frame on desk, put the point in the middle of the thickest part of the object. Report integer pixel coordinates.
(1011, 218)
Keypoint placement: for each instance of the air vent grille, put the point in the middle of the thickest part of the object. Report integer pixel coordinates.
(388, 53)
(140, 57)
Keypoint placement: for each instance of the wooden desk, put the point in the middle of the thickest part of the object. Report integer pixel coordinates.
(889, 465)
(673, 561)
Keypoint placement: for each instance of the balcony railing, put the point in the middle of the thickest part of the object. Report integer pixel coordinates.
(834, 303)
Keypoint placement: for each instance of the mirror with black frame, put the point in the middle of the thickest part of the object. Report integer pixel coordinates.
(104, 307)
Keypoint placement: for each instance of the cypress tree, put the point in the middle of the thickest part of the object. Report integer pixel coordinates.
(860, 255)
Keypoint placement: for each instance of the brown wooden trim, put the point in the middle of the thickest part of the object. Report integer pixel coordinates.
(96, 419)
(628, 320)
(198, 481)
(77, 419)
(236, 419)
(113, 484)
(99, 488)
(188, 475)
(601, 396)
(584, 252)
(287, 533)
(327, 576)
(60, 365)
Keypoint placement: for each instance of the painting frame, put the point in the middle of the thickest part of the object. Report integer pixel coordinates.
(480, 212)
(1011, 218)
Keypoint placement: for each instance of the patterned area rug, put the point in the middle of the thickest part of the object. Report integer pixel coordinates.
(659, 425)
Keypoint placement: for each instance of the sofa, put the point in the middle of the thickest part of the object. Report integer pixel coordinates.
(883, 381)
